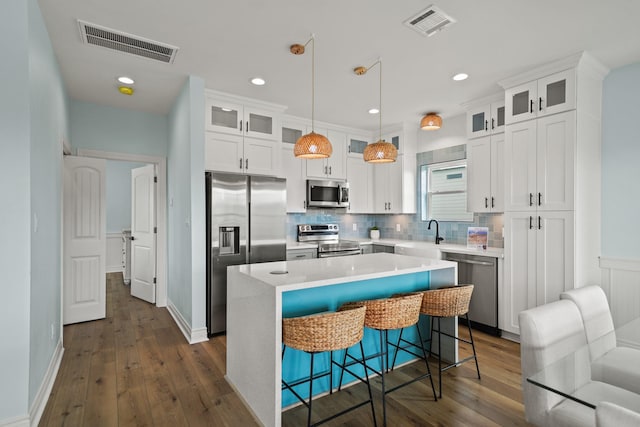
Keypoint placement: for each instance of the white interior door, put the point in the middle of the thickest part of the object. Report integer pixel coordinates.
(143, 236)
(84, 241)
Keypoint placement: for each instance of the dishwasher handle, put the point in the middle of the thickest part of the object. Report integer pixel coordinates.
(470, 261)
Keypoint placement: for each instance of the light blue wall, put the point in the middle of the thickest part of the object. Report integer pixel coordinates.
(15, 245)
(97, 127)
(620, 170)
(48, 129)
(33, 119)
(118, 184)
(186, 288)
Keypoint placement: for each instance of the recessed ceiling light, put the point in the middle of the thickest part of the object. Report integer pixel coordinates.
(125, 90)
(460, 76)
(126, 80)
(374, 111)
(258, 81)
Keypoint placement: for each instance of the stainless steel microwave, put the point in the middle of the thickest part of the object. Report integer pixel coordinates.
(327, 194)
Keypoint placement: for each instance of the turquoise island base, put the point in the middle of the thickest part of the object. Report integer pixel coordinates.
(260, 295)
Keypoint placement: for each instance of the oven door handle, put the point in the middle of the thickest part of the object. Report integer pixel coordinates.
(340, 253)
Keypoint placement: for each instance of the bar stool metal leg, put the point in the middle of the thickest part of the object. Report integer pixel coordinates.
(473, 345)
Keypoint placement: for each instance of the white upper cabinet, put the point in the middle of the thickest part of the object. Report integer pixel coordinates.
(360, 179)
(242, 135)
(485, 166)
(486, 119)
(539, 158)
(293, 168)
(356, 145)
(548, 95)
(334, 167)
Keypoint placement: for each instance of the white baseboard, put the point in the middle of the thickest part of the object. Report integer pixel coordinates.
(16, 422)
(42, 397)
(192, 335)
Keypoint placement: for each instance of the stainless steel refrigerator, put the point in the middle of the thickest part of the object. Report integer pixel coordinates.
(246, 224)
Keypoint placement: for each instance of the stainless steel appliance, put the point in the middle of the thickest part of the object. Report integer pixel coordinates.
(327, 194)
(246, 223)
(327, 236)
(482, 271)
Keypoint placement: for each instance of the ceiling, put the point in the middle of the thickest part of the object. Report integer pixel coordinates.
(229, 42)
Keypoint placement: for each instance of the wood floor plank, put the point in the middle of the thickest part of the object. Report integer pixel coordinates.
(135, 368)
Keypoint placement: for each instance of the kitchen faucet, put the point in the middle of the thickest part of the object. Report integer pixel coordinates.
(438, 238)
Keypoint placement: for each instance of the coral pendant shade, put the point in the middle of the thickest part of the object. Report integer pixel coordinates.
(313, 146)
(380, 152)
(431, 121)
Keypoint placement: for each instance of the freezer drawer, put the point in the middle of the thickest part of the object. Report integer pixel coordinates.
(482, 272)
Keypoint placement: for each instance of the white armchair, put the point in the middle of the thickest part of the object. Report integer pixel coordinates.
(611, 415)
(551, 336)
(619, 366)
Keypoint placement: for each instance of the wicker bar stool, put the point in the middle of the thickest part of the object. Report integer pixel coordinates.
(450, 301)
(384, 315)
(326, 332)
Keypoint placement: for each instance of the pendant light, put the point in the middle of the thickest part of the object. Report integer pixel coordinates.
(431, 121)
(312, 145)
(380, 151)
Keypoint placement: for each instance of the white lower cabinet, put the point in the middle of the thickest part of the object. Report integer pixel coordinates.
(539, 261)
(297, 254)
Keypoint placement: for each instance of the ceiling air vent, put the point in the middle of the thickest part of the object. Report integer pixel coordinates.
(128, 43)
(429, 21)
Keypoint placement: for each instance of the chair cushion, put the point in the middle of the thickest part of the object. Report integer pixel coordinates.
(598, 324)
(611, 415)
(569, 413)
(620, 367)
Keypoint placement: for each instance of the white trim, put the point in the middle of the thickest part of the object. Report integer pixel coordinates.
(16, 422)
(114, 256)
(161, 211)
(626, 264)
(192, 336)
(42, 397)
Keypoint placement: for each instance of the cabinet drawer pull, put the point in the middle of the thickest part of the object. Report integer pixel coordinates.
(530, 222)
(300, 256)
(530, 199)
(531, 106)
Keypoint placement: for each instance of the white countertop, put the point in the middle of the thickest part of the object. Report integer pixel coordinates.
(310, 273)
(417, 244)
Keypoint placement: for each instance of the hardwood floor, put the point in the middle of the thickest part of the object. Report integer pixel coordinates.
(135, 368)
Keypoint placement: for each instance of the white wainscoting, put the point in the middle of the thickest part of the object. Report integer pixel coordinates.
(114, 252)
(621, 283)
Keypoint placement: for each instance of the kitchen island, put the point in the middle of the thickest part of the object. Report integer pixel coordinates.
(260, 295)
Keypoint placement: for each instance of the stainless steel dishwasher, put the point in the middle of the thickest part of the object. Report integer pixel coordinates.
(482, 272)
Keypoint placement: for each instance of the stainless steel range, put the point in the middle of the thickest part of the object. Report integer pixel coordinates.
(327, 236)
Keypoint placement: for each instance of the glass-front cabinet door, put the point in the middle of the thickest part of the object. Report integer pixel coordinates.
(478, 121)
(223, 117)
(259, 124)
(520, 102)
(557, 93)
(497, 118)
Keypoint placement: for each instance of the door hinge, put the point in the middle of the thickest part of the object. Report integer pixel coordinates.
(154, 280)
(155, 230)
(155, 179)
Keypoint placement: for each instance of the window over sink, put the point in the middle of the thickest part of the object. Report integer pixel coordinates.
(443, 191)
